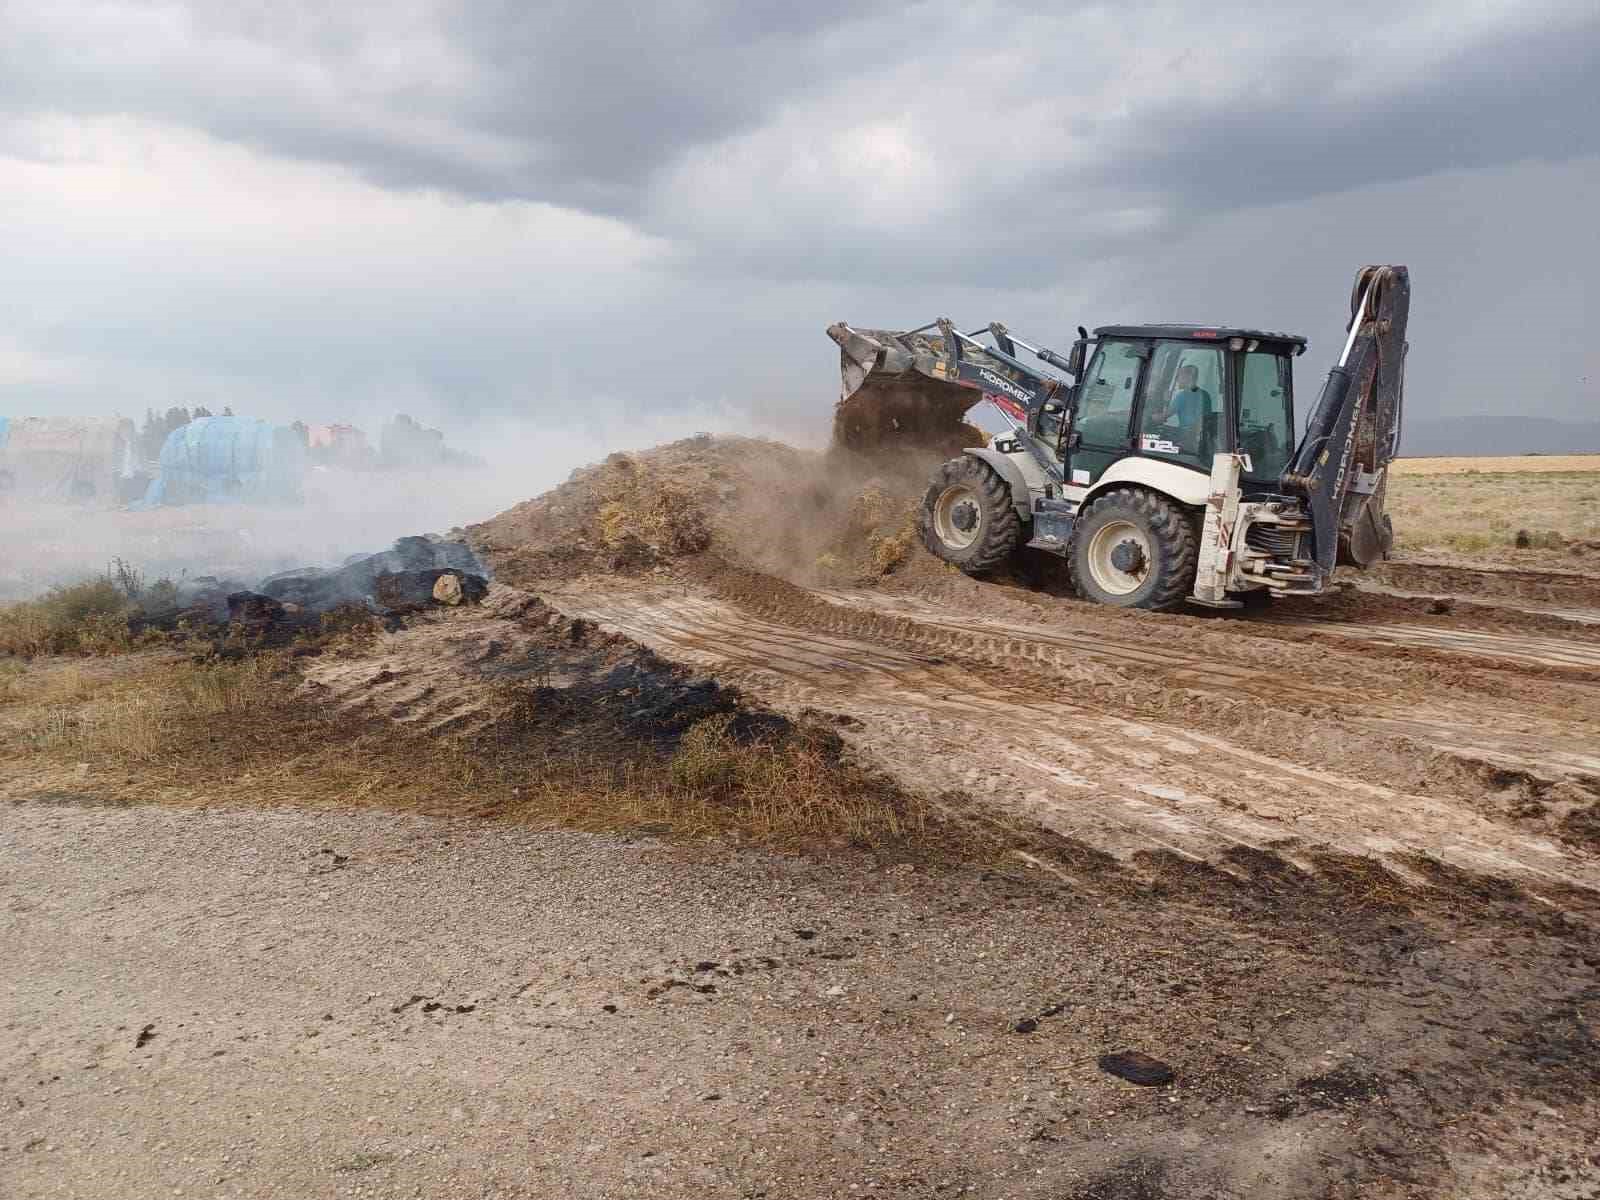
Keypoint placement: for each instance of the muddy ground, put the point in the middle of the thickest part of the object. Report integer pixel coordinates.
(1337, 863)
(1428, 713)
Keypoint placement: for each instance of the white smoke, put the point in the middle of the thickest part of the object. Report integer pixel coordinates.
(343, 512)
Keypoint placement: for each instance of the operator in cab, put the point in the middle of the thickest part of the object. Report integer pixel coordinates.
(1176, 423)
(1190, 402)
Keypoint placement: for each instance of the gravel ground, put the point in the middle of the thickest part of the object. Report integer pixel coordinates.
(288, 1003)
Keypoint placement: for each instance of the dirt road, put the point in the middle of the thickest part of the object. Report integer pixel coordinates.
(226, 1003)
(1472, 739)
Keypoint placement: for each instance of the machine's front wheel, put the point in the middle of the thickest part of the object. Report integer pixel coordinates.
(967, 516)
(1133, 549)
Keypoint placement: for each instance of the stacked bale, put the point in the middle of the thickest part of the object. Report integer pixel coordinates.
(78, 460)
(223, 460)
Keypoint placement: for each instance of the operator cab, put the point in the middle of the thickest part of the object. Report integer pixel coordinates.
(1181, 394)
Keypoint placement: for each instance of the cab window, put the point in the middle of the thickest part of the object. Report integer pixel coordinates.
(1183, 404)
(1266, 426)
(1105, 403)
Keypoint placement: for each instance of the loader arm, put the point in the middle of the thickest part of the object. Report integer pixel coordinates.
(1339, 468)
(918, 385)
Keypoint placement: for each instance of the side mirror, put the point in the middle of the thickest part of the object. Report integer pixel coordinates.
(1075, 359)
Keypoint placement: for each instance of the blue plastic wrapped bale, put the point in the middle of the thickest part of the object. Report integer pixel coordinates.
(229, 460)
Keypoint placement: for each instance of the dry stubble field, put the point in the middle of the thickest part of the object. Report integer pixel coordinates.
(1477, 506)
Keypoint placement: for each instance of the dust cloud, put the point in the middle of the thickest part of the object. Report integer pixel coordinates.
(343, 512)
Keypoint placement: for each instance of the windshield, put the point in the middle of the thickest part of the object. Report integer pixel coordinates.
(1182, 406)
(1266, 416)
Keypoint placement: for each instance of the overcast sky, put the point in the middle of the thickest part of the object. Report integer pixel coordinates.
(639, 221)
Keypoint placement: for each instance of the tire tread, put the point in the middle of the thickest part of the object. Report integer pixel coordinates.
(1172, 527)
(1002, 527)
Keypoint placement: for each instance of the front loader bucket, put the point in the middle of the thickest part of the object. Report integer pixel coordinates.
(898, 388)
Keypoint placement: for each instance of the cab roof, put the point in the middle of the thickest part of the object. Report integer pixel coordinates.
(1201, 333)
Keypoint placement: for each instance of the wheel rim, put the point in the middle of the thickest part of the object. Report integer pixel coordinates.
(1103, 544)
(957, 505)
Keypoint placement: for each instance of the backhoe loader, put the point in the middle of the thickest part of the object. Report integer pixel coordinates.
(1159, 460)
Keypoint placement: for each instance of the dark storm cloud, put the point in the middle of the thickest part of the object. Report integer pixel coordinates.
(494, 100)
(568, 103)
(1521, 97)
(1110, 170)
(764, 168)
(608, 98)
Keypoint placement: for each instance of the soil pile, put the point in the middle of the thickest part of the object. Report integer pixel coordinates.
(817, 518)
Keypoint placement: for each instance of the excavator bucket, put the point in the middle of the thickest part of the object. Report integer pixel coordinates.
(899, 388)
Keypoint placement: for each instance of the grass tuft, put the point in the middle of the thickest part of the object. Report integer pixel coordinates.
(146, 716)
(91, 618)
(644, 504)
(82, 618)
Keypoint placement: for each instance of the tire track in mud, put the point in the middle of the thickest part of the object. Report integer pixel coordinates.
(1576, 589)
(1556, 747)
(941, 702)
(1524, 608)
(1177, 667)
(1504, 647)
(996, 713)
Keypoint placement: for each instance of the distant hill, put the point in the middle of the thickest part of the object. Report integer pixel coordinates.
(1498, 435)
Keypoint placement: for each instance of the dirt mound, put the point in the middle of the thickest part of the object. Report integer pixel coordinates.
(813, 517)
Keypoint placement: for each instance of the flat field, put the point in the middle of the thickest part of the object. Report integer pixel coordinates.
(1520, 464)
(1479, 506)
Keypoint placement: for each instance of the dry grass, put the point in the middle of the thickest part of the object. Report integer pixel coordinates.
(183, 732)
(68, 683)
(1518, 464)
(1482, 512)
(639, 502)
(888, 551)
(89, 618)
(85, 618)
(791, 791)
(875, 535)
(141, 716)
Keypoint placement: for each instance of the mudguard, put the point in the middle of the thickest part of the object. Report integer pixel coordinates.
(1183, 484)
(1011, 471)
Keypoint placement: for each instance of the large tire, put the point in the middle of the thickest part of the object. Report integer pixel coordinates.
(1133, 548)
(967, 516)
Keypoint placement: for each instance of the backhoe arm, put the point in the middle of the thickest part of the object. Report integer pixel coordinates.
(1353, 433)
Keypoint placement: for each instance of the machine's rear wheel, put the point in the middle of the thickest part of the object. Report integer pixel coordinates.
(967, 516)
(1133, 549)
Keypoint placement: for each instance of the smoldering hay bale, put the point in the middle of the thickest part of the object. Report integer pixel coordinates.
(399, 579)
